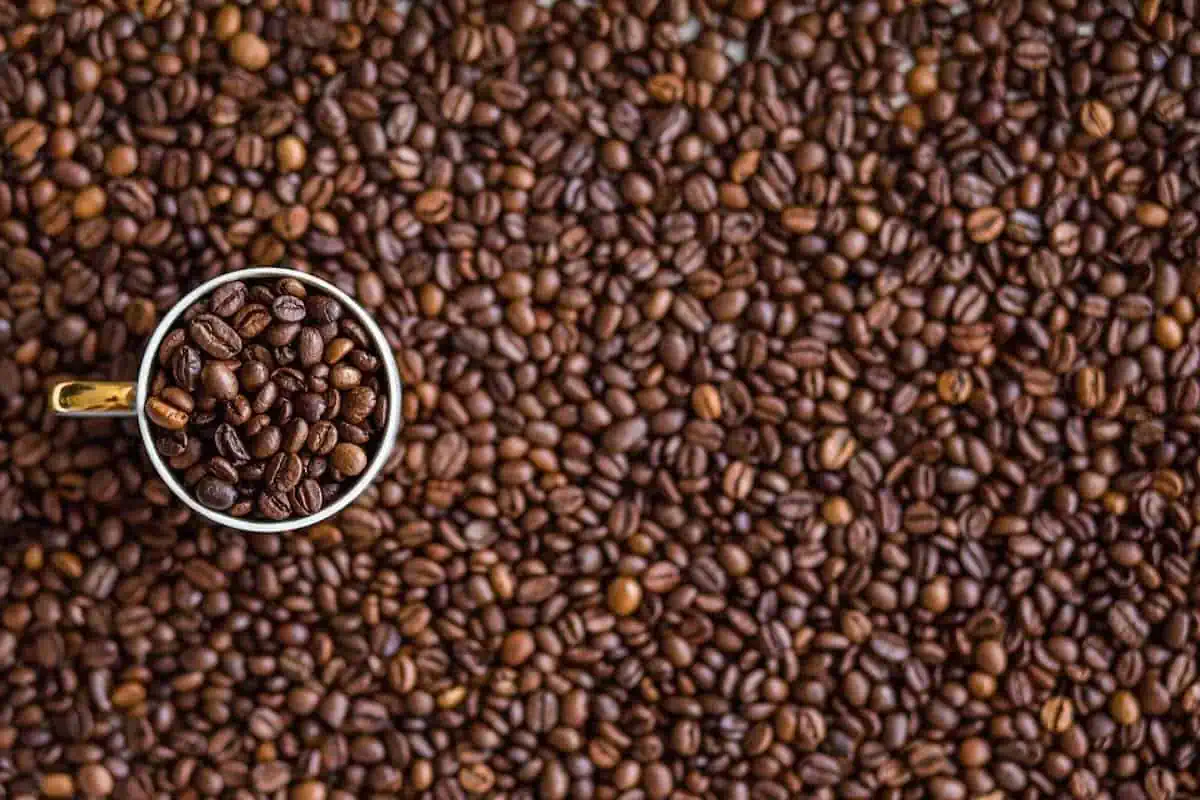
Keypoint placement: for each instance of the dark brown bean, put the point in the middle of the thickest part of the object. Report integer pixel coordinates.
(213, 336)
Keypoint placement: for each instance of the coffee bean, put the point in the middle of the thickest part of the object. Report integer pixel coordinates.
(24, 138)
(738, 480)
(251, 320)
(349, 459)
(283, 472)
(310, 345)
(820, 770)
(1124, 708)
(1127, 624)
(281, 334)
(295, 435)
(889, 647)
(307, 498)
(288, 308)
(661, 578)
(1096, 119)
(1090, 387)
(624, 596)
(985, 224)
(1057, 714)
(344, 376)
(95, 780)
(1032, 54)
(215, 494)
(220, 381)
(322, 309)
(186, 365)
(421, 572)
(433, 206)
(837, 448)
(272, 776)
(706, 402)
(625, 435)
(311, 407)
(1160, 784)
(228, 299)
(249, 51)
(57, 784)
(322, 437)
(229, 444)
(165, 415)
(357, 403)
(266, 442)
(213, 336)
(274, 506)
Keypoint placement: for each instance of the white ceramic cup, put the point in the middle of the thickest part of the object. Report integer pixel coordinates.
(81, 398)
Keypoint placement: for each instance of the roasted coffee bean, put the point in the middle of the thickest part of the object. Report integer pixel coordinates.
(220, 381)
(252, 375)
(322, 309)
(307, 498)
(166, 415)
(349, 459)
(228, 299)
(215, 494)
(274, 506)
(223, 469)
(185, 366)
(229, 444)
(266, 440)
(288, 308)
(283, 472)
(251, 320)
(310, 346)
(171, 444)
(1127, 624)
(213, 336)
(357, 403)
(322, 437)
(295, 435)
(311, 407)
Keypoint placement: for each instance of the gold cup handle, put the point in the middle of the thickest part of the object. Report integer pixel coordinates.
(93, 398)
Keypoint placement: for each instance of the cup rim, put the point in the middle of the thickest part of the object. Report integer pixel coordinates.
(391, 375)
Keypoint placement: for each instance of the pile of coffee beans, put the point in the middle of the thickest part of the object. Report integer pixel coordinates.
(801, 399)
(267, 399)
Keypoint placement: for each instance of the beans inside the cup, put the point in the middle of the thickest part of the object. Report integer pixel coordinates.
(268, 400)
(801, 399)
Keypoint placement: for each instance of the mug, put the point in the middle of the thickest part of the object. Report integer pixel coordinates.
(82, 398)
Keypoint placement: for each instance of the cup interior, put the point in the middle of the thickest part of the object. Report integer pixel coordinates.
(391, 376)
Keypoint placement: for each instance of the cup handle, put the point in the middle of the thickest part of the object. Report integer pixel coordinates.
(93, 398)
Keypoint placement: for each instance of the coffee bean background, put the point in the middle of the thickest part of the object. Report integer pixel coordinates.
(801, 399)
